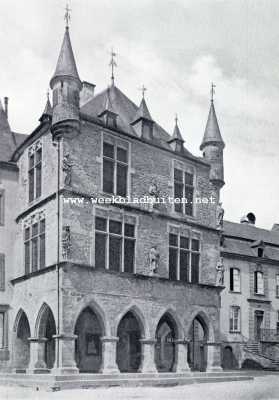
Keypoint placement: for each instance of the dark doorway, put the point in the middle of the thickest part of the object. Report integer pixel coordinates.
(165, 355)
(22, 345)
(129, 346)
(89, 331)
(197, 354)
(228, 360)
(259, 317)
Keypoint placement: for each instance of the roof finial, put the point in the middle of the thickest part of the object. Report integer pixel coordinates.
(212, 91)
(176, 119)
(112, 64)
(67, 16)
(47, 93)
(143, 90)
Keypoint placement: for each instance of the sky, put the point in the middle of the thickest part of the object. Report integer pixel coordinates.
(176, 48)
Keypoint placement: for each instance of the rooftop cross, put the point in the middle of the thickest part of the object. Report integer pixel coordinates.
(212, 91)
(143, 90)
(67, 16)
(112, 64)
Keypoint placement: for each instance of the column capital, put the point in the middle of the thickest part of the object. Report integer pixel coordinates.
(37, 339)
(181, 341)
(63, 336)
(148, 341)
(109, 339)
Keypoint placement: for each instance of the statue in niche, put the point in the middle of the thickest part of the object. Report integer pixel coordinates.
(154, 257)
(154, 193)
(67, 169)
(220, 216)
(220, 272)
(66, 241)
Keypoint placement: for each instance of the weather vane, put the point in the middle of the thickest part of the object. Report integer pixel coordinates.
(67, 16)
(143, 90)
(112, 64)
(212, 91)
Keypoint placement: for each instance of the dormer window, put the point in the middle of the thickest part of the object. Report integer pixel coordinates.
(147, 130)
(111, 120)
(260, 252)
(259, 247)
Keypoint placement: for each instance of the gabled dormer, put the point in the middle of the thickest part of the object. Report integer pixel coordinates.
(176, 141)
(108, 114)
(143, 122)
(259, 247)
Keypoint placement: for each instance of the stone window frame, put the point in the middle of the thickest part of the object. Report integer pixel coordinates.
(122, 217)
(116, 141)
(190, 168)
(32, 151)
(5, 340)
(28, 223)
(191, 234)
(2, 207)
(231, 317)
(232, 282)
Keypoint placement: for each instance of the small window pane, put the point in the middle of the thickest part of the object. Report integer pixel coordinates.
(189, 195)
(100, 250)
(184, 265)
(115, 253)
(178, 194)
(38, 180)
(42, 225)
(31, 161)
(121, 154)
(27, 257)
(100, 224)
(27, 234)
(173, 239)
(34, 254)
(108, 172)
(129, 230)
(38, 156)
(178, 175)
(2, 320)
(173, 263)
(195, 267)
(31, 185)
(121, 189)
(35, 229)
(195, 245)
(129, 252)
(115, 227)
(108, 150)
(184, 242)
(188, 179)
(42, 251)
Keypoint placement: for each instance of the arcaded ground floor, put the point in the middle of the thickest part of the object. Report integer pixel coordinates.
(264, 387)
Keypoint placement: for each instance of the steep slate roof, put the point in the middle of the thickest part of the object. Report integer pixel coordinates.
(176, 133)
(142, 112)
(66, 64)
(127, 112)
(212, 132)
(245, 235)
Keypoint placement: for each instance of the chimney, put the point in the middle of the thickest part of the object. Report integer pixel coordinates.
(249, 219)
(87, 93)
(6, 102)
(275, 227)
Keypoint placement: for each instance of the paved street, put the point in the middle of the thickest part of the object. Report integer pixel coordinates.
(262, 388)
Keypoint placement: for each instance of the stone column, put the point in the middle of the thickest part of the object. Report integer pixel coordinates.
(213, 357)
(65, 363)
(181, 350)
(148, 356)
(109, 355)
(37, 363)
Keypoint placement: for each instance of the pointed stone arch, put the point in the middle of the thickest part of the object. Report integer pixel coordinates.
(45, 328)
(98, 310)
(90, 327)
(136, 311)
(21, 344)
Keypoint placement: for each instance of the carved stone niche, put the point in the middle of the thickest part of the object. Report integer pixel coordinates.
(66, 241)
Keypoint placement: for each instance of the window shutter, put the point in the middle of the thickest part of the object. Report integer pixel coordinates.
(2, 272)
(256, 281)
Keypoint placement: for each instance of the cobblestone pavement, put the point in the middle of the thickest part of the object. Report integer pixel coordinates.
(262, 388)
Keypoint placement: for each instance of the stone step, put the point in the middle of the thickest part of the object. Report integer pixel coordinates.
(90, 381)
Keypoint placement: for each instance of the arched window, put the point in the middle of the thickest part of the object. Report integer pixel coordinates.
(258, 282)
(234, 280)
(234, 319)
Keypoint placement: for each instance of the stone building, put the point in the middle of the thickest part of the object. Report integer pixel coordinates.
(250, 300)
(93, 279)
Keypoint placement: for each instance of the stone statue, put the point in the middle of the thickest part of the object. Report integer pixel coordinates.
(67, 168)
(220, 272)
(154, 192)
(66, 241)
(154, 257)
(219, 216)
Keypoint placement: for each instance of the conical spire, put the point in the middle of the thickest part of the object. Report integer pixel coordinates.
(142, 112)
(66, 64)
(212, 134)
(4, 124)
(7, 143)
(47, 113)
(176, 132)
